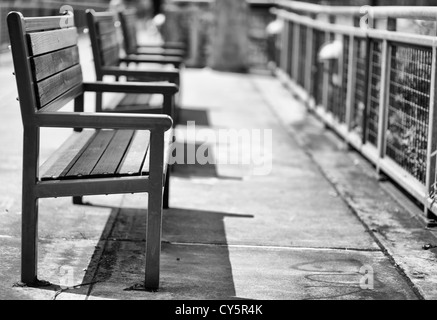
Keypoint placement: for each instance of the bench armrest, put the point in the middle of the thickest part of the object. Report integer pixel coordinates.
(131, 87)
(103, 120)
(152, 59)
(150, 75)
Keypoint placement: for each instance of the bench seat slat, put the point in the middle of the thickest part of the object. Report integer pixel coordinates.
(91, 155)
(48, 41)
(139, 103)
(99, 153)
(113, 155)
(58, 164)
(134, 159)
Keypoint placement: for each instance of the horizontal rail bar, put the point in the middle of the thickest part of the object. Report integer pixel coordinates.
(407, 38)
(320, 25)
(192, 1)
(318, 9)
(403, 12)
(415, 39)
(379, 12)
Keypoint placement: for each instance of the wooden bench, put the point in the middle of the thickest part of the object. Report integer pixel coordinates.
(108, 61)
(106, 154)
(128, 19)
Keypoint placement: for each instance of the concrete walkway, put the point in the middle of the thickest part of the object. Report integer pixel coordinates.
(289, 233)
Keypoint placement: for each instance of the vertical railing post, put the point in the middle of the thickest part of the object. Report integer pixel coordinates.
(312, 57)
(326, 70)
(290, 48)
(432, 136)
(366, 89)
(309, 60)
(325, 91)
(296, 52)
(350, 91)
(277, 53)
(383, 99)
(284, 47)
(339, 85)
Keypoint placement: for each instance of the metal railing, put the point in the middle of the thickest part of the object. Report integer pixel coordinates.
(377, 92)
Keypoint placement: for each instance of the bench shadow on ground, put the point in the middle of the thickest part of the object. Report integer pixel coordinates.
(187, 166)
(195, 261)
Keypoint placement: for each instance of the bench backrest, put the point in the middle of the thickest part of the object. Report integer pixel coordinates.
(128, 20)
(46, 61)
(104, 38)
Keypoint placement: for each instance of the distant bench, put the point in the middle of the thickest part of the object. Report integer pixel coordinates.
(106, 154)
(128, 20)
(110, 61)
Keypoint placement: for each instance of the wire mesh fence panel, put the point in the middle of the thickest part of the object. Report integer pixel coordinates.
(340, 89)
(302, 55)
(373, 99)
(359, 98)
(317, 69)
(408, 108)
(380, 84)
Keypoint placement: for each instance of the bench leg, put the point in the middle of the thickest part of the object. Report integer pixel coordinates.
(153, 240)
(29, 241)
(99, 102)
(167, 189)
(29, 207)
(154, 212)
